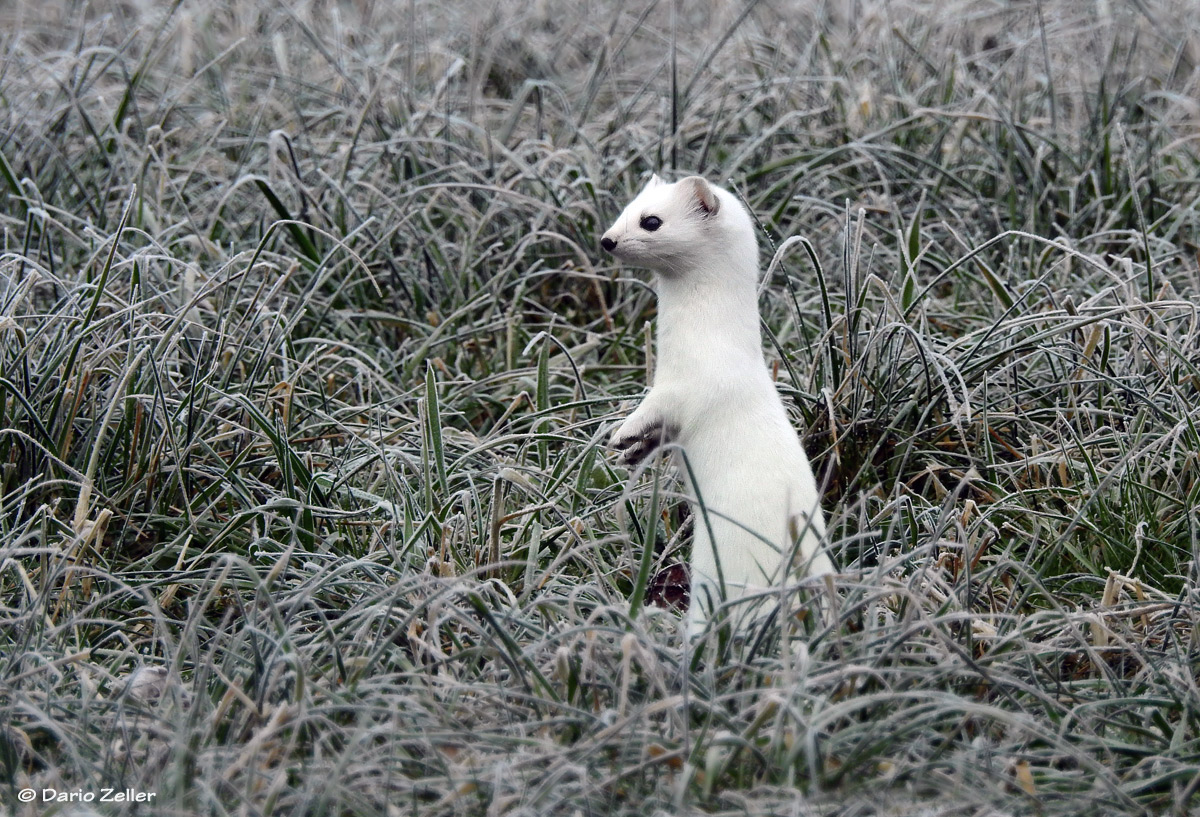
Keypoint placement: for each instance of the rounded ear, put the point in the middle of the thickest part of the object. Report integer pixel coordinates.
(702, 193)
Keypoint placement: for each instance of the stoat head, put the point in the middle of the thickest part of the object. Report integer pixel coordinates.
(683, 227)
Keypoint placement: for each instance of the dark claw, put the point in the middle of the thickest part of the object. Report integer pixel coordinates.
(636, 448)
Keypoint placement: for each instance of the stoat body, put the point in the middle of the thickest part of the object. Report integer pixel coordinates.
(756, 507)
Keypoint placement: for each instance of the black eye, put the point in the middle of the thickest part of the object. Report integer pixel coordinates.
(650, 223)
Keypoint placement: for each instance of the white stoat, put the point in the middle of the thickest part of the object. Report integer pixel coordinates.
(713, 397)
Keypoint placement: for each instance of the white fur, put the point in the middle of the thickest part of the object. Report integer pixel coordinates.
(713, 391)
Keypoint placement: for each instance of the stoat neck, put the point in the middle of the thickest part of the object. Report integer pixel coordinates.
(708, 328)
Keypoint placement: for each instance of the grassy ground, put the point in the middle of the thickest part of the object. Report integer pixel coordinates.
(309, 358)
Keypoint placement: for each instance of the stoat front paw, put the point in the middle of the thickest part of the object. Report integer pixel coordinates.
(636, 444)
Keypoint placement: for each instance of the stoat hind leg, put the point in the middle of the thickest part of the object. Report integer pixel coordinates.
(809, 558)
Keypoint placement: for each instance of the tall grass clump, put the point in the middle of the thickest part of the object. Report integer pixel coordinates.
(309, 361)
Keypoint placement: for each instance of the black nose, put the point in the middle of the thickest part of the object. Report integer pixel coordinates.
(608, 244)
